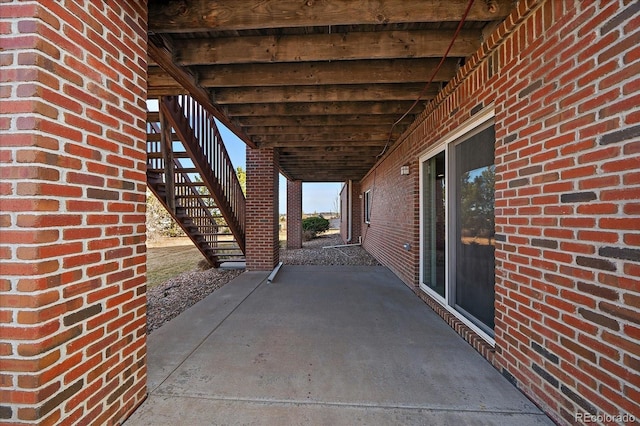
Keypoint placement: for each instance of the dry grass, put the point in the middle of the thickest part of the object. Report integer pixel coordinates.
(169, 257)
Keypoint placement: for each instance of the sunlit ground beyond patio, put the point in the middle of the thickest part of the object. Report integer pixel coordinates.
(168, 257)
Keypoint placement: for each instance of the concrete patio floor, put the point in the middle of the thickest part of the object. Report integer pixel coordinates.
(341, 345)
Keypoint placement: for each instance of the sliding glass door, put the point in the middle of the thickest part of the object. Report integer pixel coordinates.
(458, 245)
(474, 272)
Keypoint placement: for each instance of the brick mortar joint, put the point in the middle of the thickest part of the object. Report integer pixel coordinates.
(487, 48)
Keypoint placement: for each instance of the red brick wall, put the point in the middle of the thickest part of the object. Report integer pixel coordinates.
(294, 214)
(262, 246)
(394, 212)
(563, 79)
(72, 288)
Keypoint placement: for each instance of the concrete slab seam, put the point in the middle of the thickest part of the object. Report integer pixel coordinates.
(294, 402)
(204, 339)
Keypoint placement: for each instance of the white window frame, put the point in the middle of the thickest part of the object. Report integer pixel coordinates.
(446, 144)
(367, 206)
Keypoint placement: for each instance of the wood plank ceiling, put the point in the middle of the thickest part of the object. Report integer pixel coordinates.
(322, 81)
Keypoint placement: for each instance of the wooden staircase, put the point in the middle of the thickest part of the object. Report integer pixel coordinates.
(189, 171)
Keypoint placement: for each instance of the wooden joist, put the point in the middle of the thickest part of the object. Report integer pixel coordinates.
(321, 81)
(352, 137)
(330, 93)
(324, 47)
(222, 15)
(320, 121)
(313, 73)
(310, 131)
(318, 108)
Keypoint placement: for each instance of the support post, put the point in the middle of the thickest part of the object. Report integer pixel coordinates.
(166, 145)
(262, 243)
(294, 214)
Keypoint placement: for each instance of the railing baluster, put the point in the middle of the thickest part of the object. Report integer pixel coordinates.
(210, 148)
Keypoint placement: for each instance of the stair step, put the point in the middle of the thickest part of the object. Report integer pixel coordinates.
(204, 234)
(193, 196)
(157, 137)
(153, 116)
(185, 217)
(207, 217)
(192, 184)
(160, 155)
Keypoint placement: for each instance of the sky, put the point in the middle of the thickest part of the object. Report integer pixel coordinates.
(316, 197)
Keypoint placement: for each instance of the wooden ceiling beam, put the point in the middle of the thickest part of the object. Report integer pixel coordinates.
(304, 131)
(320, 120)
(321, 144)
(292, 160)
(318, 167)
(353, 158)
(325, 47)
(331, 93)
(338, 72)
(316, 150)
(337, 176)
(340, 173)
(316, 137)
(219, 15)
(310, 74)
(325, 167)
(160, 51)
(319, 108)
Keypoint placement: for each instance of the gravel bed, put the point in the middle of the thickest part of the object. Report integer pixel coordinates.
(312, 253)
(167, 300)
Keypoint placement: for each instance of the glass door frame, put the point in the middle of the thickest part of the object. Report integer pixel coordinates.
(423, 159)
(482, 119)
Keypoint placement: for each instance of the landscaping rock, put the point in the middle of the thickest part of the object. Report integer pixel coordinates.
(166, 301)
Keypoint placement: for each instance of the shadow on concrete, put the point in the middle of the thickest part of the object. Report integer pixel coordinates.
(340, 345)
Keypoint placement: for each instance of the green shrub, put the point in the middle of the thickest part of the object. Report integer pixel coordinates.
(312, 226)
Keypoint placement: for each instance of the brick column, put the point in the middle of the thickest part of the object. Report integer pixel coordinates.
(72, 286)
(294, 214)
(262, 242)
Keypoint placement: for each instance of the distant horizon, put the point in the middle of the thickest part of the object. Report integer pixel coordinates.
(316, 196)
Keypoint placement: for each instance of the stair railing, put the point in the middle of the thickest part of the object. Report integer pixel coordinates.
(200, 136)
